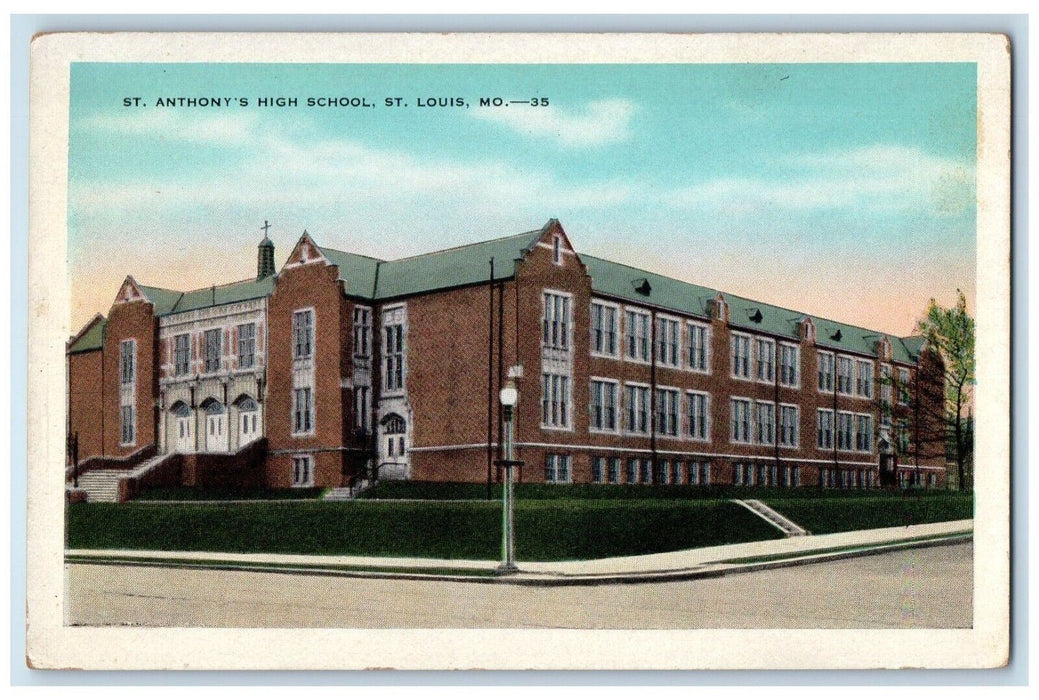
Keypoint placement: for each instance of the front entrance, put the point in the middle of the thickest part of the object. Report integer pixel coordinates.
(183, 439)
(216, 426)
(248, 420)
(393, 450)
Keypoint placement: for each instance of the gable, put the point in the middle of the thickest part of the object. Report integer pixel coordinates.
(306, 252)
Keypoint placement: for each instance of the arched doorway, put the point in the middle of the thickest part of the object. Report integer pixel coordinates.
(248, 419)
(183, 438)
(216, 425)
(393, 450)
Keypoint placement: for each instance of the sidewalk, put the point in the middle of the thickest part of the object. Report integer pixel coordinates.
(691, 563)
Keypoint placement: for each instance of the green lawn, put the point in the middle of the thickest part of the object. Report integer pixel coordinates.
(545, 530)
(194, 493)
(823, 515)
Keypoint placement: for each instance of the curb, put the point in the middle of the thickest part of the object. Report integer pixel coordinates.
(709, 570)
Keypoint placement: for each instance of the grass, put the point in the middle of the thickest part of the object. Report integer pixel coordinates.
(193, 493)
(835, 550)
(545, 530)
(841, 514)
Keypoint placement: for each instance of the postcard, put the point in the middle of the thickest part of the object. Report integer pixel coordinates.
(519, 351)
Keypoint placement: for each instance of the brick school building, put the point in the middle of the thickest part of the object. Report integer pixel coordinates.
(339, 366)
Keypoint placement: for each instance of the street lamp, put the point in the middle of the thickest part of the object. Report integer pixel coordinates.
(508, 397)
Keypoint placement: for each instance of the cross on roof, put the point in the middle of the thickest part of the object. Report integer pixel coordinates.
(265, 227)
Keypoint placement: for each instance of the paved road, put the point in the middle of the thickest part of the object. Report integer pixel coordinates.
(913, 588)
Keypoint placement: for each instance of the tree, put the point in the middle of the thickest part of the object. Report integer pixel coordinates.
(949, 334)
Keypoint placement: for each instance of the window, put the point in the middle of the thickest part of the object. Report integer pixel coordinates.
(660, 472)
(302, 334)
(844, 371)
(302, 471)
(864, 433)
(638, 408)
(127, 361)
(667, 342)
(362, 331)
(211, 341)
(556, 325)
(789, 365)
(824, 429)
(740, 420)
(637, 335)
(741, 356)
(825, 371)
(603, 408)
(598, 470)
(393, 357)
(737, 474)
(844, 430)
(902, 437)
(363, 408)
(699, 410)
(246, 345)
(557, 251)
(903, 386)
(765, 356)
(127, 434)
(766, 423)
(557, 468)
(667, 411)
(676, 473)
(885, 384)
(613, 474)
(555, 401)
(303, 411)
(604, 329)
(182, 354)
(632, 475)
(864, 379)
(646, 471)
(698, 341)
(789, 420)
(700, 473)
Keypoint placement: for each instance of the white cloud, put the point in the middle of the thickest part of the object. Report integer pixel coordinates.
(598, 123)
(175, 125)
(869, 180)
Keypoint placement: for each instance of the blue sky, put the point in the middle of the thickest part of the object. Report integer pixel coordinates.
(844, 190)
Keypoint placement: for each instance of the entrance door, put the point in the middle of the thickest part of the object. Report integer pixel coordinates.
(183, 439)
(216, 426)
(394, 457)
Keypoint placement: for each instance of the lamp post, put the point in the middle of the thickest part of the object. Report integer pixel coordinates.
(508, 397)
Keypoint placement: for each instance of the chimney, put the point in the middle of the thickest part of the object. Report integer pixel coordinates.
(265, 256)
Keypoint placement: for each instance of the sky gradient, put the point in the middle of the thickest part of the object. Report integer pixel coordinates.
(845, 191)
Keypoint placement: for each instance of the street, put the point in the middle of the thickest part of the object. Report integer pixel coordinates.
(923, 588)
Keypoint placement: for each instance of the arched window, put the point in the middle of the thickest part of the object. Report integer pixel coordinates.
(180, 409)
(394, 424)
(212, 407)
(246, 403)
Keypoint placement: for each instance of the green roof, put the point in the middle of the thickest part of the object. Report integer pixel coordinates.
(453, 267)
(90, 337)
(162, 299)
(623, 281)
(220, 294)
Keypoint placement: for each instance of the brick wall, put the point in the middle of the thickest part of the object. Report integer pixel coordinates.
(131, 320)
(84, 370)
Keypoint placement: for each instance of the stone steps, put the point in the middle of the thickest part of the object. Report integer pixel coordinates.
(774, 518)
(102, 485)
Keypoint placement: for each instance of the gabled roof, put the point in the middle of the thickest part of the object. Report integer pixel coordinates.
(162, 299)
(377, 280)
(89, 337)
(221, 294)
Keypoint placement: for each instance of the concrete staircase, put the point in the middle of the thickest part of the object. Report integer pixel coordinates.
(102, 485)
(785, 525)
(345, 493)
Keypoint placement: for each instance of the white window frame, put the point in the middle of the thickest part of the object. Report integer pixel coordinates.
(796, 427)
(705, 328)
(905, 391)
(556, 401)
(749, 406)
(849, 361)
(305, 332)
(127, 425)
(690, 423)
(796, 349)
(557, 325)
(604, 382)
(307, 413)
(760, 424)
(617, 335)
(644, 341)
(859, 417)
(242, 341)
(669, 337)
(308, 460)
(557, 250)
(760, 365)
(394, 362)
(647, 406)
(178, 369)
(668, 429)
(128, 362)
(558, 461)
(363, 408)
(864, 385)
(819, 433)
(363, 319)
(738, 340)
(829, 359)
(849, 417)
